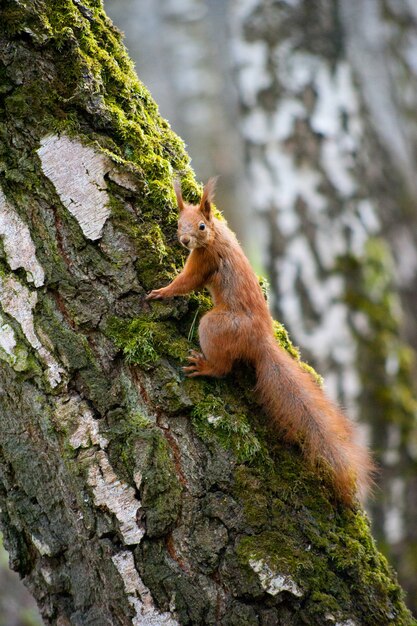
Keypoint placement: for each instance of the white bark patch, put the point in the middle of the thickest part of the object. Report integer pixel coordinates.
(214, 419)
(47, 575)
(395, 512)
(272, 582)
(18, 301)
(10, 352)
(41, 546)
(252, 61)
(114, 495)
(7, 338)
(87, 433)
(77, 173)
(331, 618)
(18, 245)
(138, 594)
(75, 415)
(123, 179)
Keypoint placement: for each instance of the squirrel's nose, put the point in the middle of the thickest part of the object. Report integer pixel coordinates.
(185, 240)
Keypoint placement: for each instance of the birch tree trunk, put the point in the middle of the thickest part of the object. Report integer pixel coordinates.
(328, 94)
(129, 495)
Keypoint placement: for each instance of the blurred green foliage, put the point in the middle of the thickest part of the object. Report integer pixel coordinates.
(17, 607)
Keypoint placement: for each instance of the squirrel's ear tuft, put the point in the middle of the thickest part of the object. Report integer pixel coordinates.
(178, 193)
(207, 197)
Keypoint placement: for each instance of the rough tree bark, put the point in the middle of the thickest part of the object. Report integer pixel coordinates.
(128, 494)
(326, 92)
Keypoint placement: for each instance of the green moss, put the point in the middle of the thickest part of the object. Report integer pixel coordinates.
(144, 340)
(264, 285)
(72, 346)
(156, 263)
(161, 496)
(125, 431)
(327, 551)
(154, 240)
(230, 428)
(282, 337)
(136, 339)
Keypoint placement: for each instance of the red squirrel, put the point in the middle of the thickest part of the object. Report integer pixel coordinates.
(240, 327)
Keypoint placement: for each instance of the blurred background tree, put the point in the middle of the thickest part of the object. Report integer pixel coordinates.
(307, 112)
(325, 92)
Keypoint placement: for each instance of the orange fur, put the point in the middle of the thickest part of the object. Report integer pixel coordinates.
(240, 327)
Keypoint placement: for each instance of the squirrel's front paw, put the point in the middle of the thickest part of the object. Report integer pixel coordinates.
(156, 294)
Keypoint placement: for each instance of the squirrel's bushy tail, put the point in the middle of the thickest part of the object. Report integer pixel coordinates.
(306, 416)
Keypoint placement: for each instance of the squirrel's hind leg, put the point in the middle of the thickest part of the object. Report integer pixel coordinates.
(220, 337)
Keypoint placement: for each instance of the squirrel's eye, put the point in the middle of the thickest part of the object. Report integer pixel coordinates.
(202, 226)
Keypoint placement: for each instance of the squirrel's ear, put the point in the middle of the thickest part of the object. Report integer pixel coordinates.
(207, 197)
(178, 193)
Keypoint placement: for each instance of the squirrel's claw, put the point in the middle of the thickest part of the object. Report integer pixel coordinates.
(194, 374)
(197, 364)
(195, 357)
(192, 371)
(155, 294)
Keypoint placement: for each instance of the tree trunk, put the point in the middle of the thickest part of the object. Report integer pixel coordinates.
(128, 494)
(329, 164)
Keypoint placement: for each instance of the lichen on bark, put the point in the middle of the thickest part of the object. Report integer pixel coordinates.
(128, 494)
